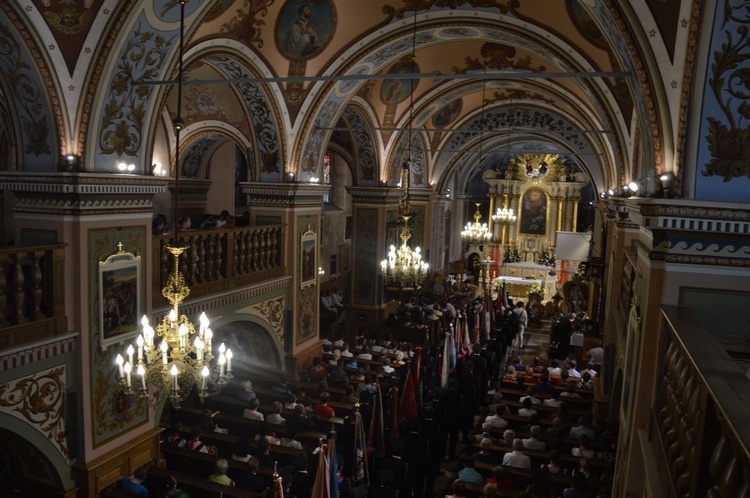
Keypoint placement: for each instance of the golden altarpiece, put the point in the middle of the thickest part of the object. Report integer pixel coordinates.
(545, 195)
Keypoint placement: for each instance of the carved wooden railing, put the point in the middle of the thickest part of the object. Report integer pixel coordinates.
(32, 303)
(700, 419)
(219, 260)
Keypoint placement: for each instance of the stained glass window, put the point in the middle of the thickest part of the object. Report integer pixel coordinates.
(327, 175)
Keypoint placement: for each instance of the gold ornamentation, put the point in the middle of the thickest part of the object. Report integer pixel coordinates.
(272, 311)
(39, 399)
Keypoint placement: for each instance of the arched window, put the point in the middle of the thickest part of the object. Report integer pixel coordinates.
(326, 177)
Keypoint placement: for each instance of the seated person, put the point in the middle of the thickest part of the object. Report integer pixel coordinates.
(133, 484)
(252, 412)
(220, 473)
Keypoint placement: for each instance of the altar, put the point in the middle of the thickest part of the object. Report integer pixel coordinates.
(522, 278)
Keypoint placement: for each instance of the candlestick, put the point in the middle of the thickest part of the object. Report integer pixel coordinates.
(222, 364)
(174, 373)
(199, 348)
(203, 319)
(127, 369)
(119, 361)
(142, 372)
(140, 341)
(164, 348)
(208, 335)
(204, 373)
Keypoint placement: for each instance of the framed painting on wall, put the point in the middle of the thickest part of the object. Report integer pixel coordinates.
(119, 297)
(308, 258)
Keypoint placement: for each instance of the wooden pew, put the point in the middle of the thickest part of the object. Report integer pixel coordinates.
(198, 487)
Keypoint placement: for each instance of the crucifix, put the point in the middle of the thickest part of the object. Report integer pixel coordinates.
(119, 246)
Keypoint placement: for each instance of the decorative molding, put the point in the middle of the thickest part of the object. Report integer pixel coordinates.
(284, 194)
(81, 183)
(374, 195)
(39, 400)
(216, 301)
(26, 356)
(272, 311)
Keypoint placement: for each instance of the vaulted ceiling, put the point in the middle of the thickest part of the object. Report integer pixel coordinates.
(466, 83)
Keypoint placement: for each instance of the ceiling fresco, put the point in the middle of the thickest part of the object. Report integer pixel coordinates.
(282, 73)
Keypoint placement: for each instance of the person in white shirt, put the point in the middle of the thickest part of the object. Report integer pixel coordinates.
(495, 421)
(590, 369)
(289, 440)
(533, 442)
(387, 368)
(346, 353)
(583, 450)
(572, 372)
(252, 412)
(527, 410)
(554, 401)
(275, 417)
(522, 321)
(364, 355)
(596, 354)
(516, 458)
(581, 429)
(530, 395)
(554, 367)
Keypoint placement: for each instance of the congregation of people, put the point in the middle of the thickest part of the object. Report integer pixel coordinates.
(500, 426)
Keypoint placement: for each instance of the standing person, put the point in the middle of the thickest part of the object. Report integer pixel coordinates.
(453, 402)
(522, 321)
(416, 450)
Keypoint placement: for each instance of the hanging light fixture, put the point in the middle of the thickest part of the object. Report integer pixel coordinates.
(403, 268)
(182, 360)
(477, 233)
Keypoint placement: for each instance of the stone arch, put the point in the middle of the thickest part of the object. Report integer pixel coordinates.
(256, 347)
(35, 457)
(366, 168)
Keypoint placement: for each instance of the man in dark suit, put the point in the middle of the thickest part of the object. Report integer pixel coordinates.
(416, 449)
(299, 419)
(264, 454)
(431, 431)
(249, 479)
(302, 481)
(453, 402)
(391, 471)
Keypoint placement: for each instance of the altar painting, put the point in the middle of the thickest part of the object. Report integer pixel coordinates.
(534, 212)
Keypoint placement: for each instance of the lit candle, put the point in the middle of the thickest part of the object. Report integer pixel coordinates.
(208, 335)
(183, 330)
(174, 373)
(172, 315)
(199, 348)
(130, 352)
(222, 364)
(229, 360)
(164, 348)
(119, 361)
(222, 348)
(204, 373)
(140, 341)
(203, 319)
(127, 369)
(142, 372)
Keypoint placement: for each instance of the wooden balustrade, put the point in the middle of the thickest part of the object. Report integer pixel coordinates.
(700, 419)
(219, 260)
(32, 304)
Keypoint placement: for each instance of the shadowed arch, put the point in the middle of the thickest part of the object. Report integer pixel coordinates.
(255, 347)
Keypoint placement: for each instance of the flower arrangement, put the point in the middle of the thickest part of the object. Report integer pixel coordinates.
(511, 256)
(547, 258)
(537, 289)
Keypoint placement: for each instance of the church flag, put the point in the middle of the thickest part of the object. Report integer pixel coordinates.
(445, 370)
(376, 437)
(408, 408)
(322, 486)
(360, 450)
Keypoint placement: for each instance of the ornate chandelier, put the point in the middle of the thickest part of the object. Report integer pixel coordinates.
(476, 233)
(404, 269)
(504, 216)
(182, 360)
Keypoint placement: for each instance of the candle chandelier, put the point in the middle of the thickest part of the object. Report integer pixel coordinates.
(404, 269)
(183, 359)
(477, 233)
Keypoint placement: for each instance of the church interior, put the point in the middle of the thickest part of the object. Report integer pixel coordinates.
(186, 183)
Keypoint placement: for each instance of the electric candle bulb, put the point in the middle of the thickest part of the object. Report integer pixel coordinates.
(142, 372)
(199, 348)
(222, 364)
(229, 360)
(174, 373)
(183, 330)
(127, 369)
(203, 319)
(130, 352)
(172, 315)
(204, 373)
(120, 361)
(164, 348)
(140, 343)
(222, 348)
